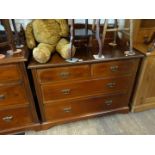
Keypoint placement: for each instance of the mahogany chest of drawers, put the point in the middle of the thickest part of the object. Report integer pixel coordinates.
(72, 91)
(17, 110)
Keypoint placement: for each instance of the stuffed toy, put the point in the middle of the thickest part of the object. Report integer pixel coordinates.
(46, 36)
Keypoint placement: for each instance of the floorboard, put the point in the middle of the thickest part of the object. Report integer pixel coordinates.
(141, 123)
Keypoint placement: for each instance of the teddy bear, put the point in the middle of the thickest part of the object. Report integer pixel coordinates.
(45, 36)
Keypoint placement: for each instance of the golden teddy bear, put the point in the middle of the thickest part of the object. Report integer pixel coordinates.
(50, 35)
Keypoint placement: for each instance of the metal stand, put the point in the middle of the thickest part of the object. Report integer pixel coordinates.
(72, 59)
(130, 52)
(115, 30)
(96, 24)
(100, 42)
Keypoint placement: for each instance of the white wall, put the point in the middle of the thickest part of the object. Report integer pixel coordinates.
(24, 22)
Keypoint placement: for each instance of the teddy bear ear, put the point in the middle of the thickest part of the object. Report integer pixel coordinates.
(31, 43)
(64, 27)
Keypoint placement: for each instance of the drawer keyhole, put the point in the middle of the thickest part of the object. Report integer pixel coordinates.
(114, 68)
(2, 97)
(66, 91)
(67, 110)
(7, 118)
(64, 75)
(108, 102)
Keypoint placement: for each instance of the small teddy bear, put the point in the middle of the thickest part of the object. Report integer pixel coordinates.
(50, 36)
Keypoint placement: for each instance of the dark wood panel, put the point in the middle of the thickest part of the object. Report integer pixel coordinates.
(147, 23)
(12, 95)
(13, 118)
(72, 108)
(115, 68)
(84, 88)
(63, 73)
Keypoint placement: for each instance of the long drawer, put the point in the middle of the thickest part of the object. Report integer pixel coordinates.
(63, 73)
(9, 73)
(71, 108)
(76, 89)
(115, 68)
(13, 118)
(12, 95)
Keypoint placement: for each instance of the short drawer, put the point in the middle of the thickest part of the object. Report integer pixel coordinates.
(68, 90)
(9, 73)
(71, 108)
(14, 118)
(12, 95)
(115, 68)
(63, 73)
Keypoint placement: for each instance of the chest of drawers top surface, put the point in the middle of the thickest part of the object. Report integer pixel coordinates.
(20, 57)
(87, 57)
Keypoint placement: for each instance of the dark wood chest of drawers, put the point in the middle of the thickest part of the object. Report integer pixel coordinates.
(17, 110)
(68, 92)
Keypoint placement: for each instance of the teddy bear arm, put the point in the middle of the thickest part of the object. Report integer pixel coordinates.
(30, 40)
(63, 48)
(64, 27)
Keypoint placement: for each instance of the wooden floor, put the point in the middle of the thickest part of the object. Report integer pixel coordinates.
(118, 124)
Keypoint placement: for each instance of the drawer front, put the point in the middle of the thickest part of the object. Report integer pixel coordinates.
(115, 68)
(12, 95)
(9, 73)
(68, 109)
(63, 73)
(85, 88)
(13, 118)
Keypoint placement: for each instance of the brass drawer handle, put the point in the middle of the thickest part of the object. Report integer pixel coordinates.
(66, 91)
(7, 118)
(111, 84)
(108, 102)
(114, 68)
(67, 110)
(2, 97)
(64, 75)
